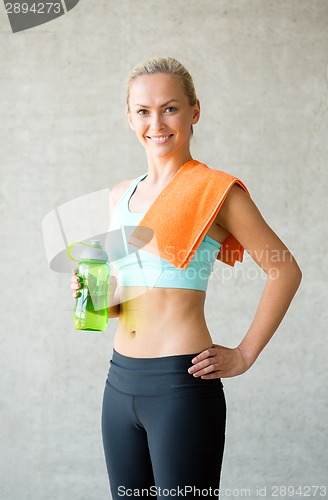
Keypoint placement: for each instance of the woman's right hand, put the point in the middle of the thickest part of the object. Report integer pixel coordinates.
(75, 283)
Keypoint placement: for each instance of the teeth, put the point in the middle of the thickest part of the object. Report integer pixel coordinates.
(160, 139)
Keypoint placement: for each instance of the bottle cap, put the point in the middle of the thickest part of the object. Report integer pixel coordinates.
(93, 252)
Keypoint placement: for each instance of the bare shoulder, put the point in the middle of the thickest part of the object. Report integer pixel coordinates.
(118, 190)
(238, 209)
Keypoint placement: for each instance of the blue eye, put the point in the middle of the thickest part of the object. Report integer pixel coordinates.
(142, 112)
(171, 109)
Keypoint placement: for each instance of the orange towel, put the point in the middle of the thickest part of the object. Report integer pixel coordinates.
(182, 214)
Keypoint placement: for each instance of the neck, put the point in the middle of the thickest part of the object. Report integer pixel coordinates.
(161, 170)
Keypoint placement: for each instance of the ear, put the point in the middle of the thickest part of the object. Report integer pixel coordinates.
(196, 112)
(129, 119)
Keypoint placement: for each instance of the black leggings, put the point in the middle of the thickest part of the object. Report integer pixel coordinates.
(163, 429)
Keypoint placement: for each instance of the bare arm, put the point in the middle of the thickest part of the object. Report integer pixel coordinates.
(113, 292)
(240, 216)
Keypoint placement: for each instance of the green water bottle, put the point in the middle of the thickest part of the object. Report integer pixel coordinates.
(91, 307)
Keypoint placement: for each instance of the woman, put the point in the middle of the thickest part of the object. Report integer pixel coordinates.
(164, 410)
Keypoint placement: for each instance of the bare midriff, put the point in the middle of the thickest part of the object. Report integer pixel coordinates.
(161, 322)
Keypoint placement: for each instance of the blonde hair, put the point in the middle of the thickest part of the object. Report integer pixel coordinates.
(167, 65)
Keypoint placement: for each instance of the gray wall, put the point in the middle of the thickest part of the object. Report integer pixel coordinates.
(260, 69)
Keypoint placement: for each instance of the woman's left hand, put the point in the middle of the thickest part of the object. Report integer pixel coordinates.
(219, 362)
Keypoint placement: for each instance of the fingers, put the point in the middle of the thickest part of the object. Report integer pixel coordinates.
(204, 355)
(203, 368)
(215, 374)
(202, 360)
(75, 284)
(199, 366)
(226, 362)
(204, 363)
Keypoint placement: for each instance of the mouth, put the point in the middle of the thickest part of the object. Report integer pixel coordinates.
(160, 139)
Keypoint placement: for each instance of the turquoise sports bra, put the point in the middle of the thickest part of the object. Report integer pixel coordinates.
(136, 267)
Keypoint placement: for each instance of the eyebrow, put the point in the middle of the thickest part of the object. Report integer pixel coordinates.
(162, 106)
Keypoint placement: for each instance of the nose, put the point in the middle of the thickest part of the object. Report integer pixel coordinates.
(157, 122)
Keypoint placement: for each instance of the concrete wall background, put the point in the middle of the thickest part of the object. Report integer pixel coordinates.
(260, 69)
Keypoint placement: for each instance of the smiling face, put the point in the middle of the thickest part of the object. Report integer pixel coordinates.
(160, 114)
